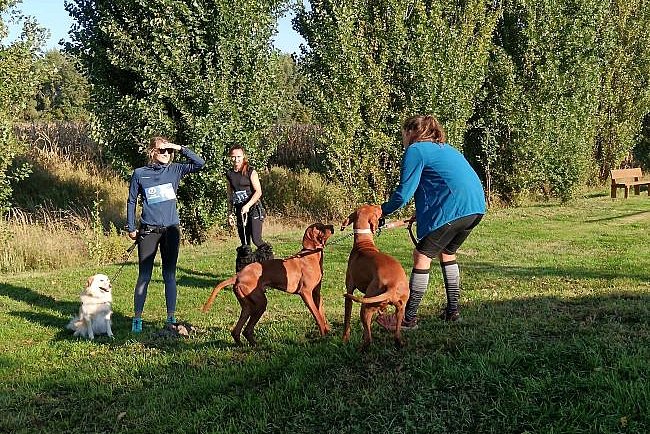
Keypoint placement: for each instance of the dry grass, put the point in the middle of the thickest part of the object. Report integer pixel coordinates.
(44, 240)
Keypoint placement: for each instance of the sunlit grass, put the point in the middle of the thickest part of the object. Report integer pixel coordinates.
(555, 337)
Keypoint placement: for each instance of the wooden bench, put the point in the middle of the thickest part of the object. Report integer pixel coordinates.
(626, 178)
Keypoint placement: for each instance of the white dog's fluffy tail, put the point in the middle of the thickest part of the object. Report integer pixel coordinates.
(77, 325)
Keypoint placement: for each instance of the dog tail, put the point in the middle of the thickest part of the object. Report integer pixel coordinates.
(216, 290)
(74, 323)
(368, 300)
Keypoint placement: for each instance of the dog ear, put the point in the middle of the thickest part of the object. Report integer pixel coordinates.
(320, 239)
(374, 223)
(328, 231)
(310, 239)
(352, 217)
(374, 218)
(324, 232)
(90, 281)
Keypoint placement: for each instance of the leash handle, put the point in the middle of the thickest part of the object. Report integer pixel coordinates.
(413, 238)
(401, 223)
(244, 220)
(130, 249)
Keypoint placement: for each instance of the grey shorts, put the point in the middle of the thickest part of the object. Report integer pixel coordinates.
(448, 237)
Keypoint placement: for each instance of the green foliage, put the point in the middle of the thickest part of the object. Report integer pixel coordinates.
(18, 78)
(62, 92)
(291, 110)
(369, 65)
(544, 96)
(202, 73)
(298, 146)
(304, 195)
(535, 124)
(642, 148)
(624, 100)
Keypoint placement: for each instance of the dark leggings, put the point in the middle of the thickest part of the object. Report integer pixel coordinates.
(253, 227)
(168, 241)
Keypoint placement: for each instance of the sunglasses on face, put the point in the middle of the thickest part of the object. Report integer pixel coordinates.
(165, 151)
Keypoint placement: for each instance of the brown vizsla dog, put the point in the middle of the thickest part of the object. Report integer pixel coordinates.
(299, 274)
(379, 276)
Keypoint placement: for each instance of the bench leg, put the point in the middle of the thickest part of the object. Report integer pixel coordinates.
(613, 192)
(637, 190)
(627, 189)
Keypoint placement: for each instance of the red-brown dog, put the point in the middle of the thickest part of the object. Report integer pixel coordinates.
(379, 276)
(299, 274)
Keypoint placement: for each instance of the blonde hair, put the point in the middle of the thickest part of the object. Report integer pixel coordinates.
(424, 128)
(153, 145)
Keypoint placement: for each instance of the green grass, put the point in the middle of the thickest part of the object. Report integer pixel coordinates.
(555, 338)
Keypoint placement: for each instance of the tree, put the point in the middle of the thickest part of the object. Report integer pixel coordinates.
(62, 92)
(535, 122)
(18, 78)
(624, 97)
(291, 110)
(202, 73)
(368, 65)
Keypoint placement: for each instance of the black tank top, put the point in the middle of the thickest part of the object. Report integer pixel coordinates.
(242, 188)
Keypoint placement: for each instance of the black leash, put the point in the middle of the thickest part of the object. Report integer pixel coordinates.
(413, 238)
(126, 260)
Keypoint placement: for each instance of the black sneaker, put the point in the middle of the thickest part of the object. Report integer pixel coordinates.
(450, 315)
(410, 325)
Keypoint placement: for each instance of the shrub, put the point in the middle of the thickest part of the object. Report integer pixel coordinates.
(304, 195)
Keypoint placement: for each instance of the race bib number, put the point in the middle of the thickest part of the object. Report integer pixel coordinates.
(239, 197)
(160, 193)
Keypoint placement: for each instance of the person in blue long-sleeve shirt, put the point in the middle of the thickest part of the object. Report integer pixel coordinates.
(157, 184)
(449, 203)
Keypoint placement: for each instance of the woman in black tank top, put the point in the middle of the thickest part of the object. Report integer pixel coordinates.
(244, 193)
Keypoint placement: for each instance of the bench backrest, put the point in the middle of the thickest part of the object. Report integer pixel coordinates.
(626, 173)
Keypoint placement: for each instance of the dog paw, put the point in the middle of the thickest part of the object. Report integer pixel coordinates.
(251, 339)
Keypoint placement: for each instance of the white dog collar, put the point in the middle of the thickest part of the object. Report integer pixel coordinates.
(362, 231)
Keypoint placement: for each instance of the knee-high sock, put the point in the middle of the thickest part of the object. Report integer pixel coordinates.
(451, 275)
(417, 285)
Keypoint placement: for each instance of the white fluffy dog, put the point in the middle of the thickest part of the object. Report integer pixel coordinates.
(95, 311)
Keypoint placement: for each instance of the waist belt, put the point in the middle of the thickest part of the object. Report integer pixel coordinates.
(148, 229)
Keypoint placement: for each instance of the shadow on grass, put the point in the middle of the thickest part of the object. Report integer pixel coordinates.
(639, 274)
(200, 279)
(622, 216)
(596, 194)
(536, 364)
(35, 299)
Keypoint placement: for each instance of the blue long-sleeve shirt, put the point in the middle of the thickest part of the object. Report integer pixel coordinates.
(158, 184)
(445, 186)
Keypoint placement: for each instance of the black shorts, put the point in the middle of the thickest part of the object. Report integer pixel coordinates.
(448, 237)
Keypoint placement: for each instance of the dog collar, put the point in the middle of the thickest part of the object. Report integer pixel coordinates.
(362, 231)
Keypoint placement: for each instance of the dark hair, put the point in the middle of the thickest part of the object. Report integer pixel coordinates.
(244, 167)
(426, 128)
